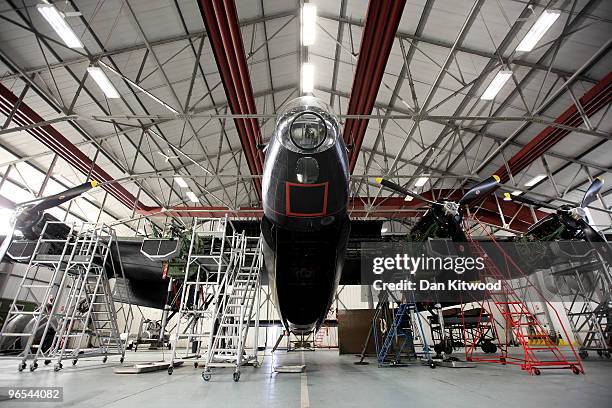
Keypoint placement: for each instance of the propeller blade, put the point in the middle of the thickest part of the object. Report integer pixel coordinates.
(529, 201)
(592, 191)
(480, 189)
(399, 189)
(60, 198)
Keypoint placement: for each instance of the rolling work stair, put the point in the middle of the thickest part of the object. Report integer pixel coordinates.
(76, 308)
(519, 321)
(236, 308)
(587, 299)
(213, 253)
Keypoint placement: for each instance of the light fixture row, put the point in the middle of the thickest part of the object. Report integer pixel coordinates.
(308, 36)
(528, 43)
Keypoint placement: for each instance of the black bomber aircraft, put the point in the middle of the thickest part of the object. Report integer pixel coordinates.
(307, 234)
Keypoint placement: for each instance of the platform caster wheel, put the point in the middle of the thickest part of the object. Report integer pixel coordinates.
(502, 360)
(75, 361)
(195, 365)
(33, 366)
(575, 370)
(600, 353)
(21, 367)
(583, 354)
(607, 354)
(536, 371)
(47, 362)
(256, 364)
(236, 376)
(105, 359)
(206, 376)
(58, 367)
(432, 365)
(170, 370)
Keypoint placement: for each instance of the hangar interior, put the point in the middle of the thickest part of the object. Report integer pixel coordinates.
(194, 195)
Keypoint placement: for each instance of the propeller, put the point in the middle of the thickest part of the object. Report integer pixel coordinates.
(573, 215)
(529, 201)
(591, 192)
(478, 191)
(30, 213)
(589, 196)
(59, 198)
(399, 189)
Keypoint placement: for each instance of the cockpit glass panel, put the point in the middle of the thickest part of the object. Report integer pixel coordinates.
(307, 170)
(308, 131)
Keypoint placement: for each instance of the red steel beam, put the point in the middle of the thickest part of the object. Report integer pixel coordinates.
(387, 207)
(597, 98)
(221, 21)
(56, 142)
(382, 20)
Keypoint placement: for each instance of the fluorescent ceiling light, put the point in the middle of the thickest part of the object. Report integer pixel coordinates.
(516, 193)
(59, 24)
(192, 197)
(535, 180)
(181, 182)
(408, 198)
(496, 85)
(103, 82)
(537, 31)
(421, 181)
(309, 23)
(308, 72)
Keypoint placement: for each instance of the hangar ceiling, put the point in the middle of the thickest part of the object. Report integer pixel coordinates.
(174, 118)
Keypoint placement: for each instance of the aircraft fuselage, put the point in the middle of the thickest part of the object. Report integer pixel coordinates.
(305, 224)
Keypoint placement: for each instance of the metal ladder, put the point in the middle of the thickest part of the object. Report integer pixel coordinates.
(212, 251)
(89, 314)
(48, 253)
(588, 310)
(406, 328)
(80, 307)
(238, 305)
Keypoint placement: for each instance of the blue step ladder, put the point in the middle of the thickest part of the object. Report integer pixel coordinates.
(403, 327)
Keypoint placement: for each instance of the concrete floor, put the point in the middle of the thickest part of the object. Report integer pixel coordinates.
(329, 380)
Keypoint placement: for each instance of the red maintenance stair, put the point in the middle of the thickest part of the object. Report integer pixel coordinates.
(520, 323)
